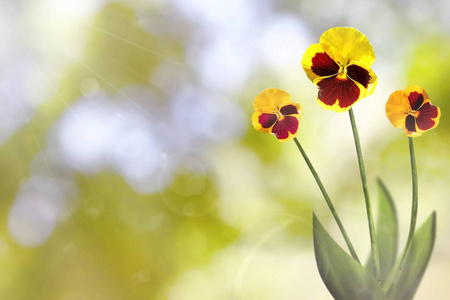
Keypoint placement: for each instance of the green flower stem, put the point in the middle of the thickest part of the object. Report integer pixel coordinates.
(373, 239)
(414, 208)
(328, 200)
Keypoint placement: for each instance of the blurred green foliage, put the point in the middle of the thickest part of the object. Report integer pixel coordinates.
(119, 244)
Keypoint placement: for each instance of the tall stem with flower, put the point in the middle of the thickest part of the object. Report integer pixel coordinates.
(276, 114)
(411, 110)
(340, 67)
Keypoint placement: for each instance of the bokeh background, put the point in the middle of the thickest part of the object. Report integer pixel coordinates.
(130, 169)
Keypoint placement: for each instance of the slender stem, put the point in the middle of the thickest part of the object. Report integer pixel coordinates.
(414, 208)
(373, 239)
(328, 200)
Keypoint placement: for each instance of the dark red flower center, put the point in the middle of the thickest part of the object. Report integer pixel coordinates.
(340, 84)
(283, 121)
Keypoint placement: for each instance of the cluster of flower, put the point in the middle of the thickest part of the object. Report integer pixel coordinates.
(340, 66)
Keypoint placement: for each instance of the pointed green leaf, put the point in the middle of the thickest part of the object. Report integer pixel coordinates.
(387, 233)
(344, 277)
(416, 263)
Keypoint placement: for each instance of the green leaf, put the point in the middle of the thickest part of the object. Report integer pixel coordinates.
(416, 262)
(387, 233)
(344, 277)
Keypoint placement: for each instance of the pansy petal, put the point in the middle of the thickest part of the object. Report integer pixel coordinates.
(267, 120)
(410, 127)
(373, 83)
(317, 63)
(416, 89)
(359, 74)
(262, 121)
(415, 100)
(428, 117)
(397, 107)
(287, 128)
(338, 94)
(291, 108)
(348, 44)
(269, 100)
(364, 75)
(410, 123)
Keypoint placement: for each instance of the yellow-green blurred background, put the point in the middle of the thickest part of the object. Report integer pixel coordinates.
(129, 168)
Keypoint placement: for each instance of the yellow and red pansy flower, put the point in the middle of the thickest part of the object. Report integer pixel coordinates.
(340, 66)
(276, 114)
(412, 110)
